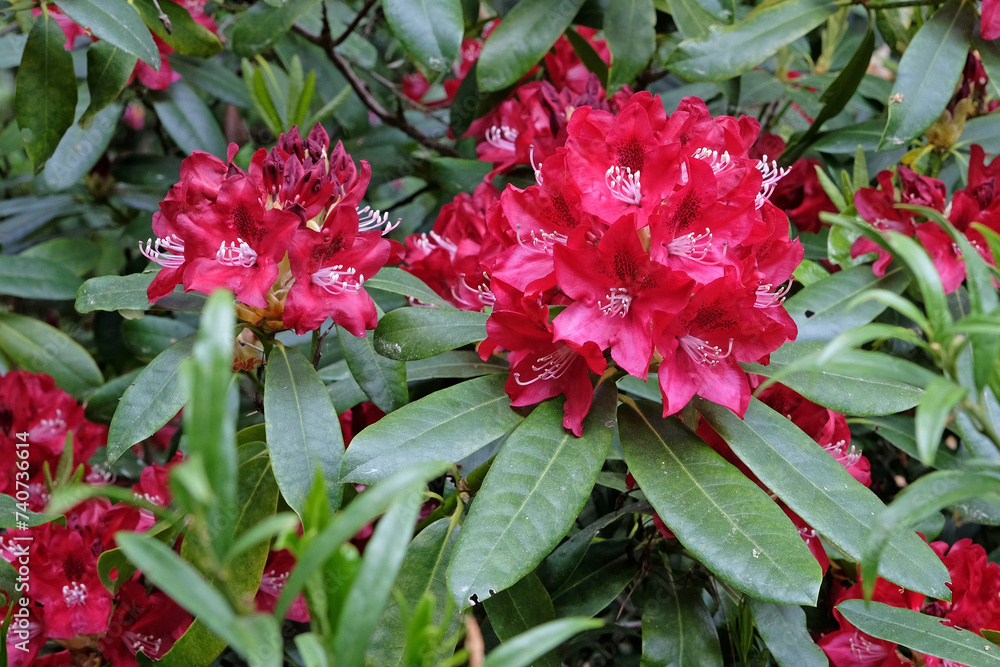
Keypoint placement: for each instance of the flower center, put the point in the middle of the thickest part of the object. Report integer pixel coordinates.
(369, 219)
(765, 298)
(502, 137)
(148, 644)
(550, 367)
(624, 185)
(719, 162)
(619, 301)
(701, 352)
(692, 246)
(167, 252)
(772, 174)
(338, 280)
(541, 241)
(75, 595)
(845, 457)
(236, 255)
(49, 429)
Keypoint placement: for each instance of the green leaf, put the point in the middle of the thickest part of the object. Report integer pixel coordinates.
(211, 74)
(928, 72)
(630, 31)
(114, 293)
(382, 379)
(77, 255)
(677, 628)
(186, 36)
(471, 103)
(116, 22)
(531, 496)
(261, 26)
(989, 55)
(372, 585)
(188, 120)
(587, 55)
(919, 263)
(524, 36)
(153, 399)
(783, 629)
(80, 149)
(601, 576)
(37, 347)
(693, 20)
(826, 308)
(12, 515)
(408, 334)
(524, 649)
(846, 140)
(731, 50)
(31, 278)
(700, 497)
(397, 281)
(303, 432)
(817, 488)
(422, 574)
(457, 364)
(430, 30)
(362, 510)
(919, 632)
(149, 336)
(456, 175)
(556, 569)
(45, 91)
(8, 584)
(108, 70)
(933, 412)
(856, 382)
(521, 607)
(257, 642)
(447, 425)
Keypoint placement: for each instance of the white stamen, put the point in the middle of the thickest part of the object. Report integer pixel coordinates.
(502, 137)
(772, 174)
(719, 162)
(538, 169)
(75, 595)
(49, 429)
(273, 583)
(478, 296)
(167, 252)
(703, 353)
(862, 648)
(148, 644)
(541, 241)
(369, 219)
(338, 280)
(692, 246)
(619, 301)
(236, 255)
(624, 185)
(766, 298)
(845, 457)
(550, 367)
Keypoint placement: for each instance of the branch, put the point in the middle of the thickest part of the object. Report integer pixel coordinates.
(354, 24)
(393, 119)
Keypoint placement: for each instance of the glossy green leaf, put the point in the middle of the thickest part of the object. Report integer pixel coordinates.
(521, 607)
(382, 379)
(13, 515)
(153, 399)
(524, 649)
(447, 425)
(408, 334)
(303, 433)
(556, 569)
(601, 576)
(188, 120)
(397, 281)
(35, 346)
(108, 70)
(80, 149)
(677, 628)
(12, 49)
(430, 30)
(924, 497)
(258, 28)
(822, 492)
(783, 629)
(826, 308)
(186, 36)
(933, 412)
(373, 583)
(148, 336)
(456, 175)
(422, 574)
(692, 19)
(928, 72)
(911, 253)
(524, 36)
(114, 293)
(856, 382)
(920, 632)
(31, 278)
(254, 641)
(362, 510)
(45, 91)
(700, 496)
(77, 255)
(630, 31)
(731, 50)
(456, 364)
(211, 74)
(116, 22)
(8, 583)
(531, 496)
(845, 140)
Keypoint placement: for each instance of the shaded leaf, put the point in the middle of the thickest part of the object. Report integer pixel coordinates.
(188, 120)
(116, 22)
(37, 347)
(31, 278)
(382, 379)
(783, 629)
(677, 628)
(630, 31)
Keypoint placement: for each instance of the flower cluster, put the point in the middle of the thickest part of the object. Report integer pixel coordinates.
(156, 79)
(975, 606)
(646, 236)
(799, 193)
(286, 235)
(977, 202)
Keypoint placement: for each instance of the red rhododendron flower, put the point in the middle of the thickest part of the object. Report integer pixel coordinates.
(279, 565)
(150, 623)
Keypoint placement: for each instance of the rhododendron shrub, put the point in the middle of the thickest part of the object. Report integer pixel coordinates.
(380, 332)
